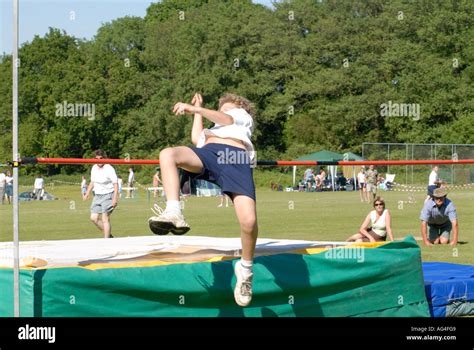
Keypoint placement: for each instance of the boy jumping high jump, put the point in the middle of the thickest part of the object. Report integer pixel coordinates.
(223, 155)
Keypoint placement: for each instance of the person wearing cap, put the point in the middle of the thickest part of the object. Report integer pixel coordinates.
(438, 218)
(371, 176)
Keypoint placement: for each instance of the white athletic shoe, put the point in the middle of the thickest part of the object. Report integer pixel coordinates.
(167, 222)
(243, 287)
(157, 210)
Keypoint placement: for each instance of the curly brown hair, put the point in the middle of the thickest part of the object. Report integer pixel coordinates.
(239, 101)
(100, 153)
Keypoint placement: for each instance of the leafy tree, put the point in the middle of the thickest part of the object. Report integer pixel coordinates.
(318, 72)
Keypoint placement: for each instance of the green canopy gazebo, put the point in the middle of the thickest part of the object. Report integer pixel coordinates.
(329, 156)
(321, 156)
(326, 156)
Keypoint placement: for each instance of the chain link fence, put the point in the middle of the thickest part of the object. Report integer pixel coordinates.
(456, 174)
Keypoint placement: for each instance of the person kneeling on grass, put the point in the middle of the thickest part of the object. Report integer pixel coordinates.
(439, 217)
(376, 226)
(223, 155)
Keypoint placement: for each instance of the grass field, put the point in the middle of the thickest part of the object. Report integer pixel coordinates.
(323, 216)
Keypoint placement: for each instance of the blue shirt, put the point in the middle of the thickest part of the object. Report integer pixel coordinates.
(438, 216)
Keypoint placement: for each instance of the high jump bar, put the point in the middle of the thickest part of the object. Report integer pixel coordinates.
(39, 160)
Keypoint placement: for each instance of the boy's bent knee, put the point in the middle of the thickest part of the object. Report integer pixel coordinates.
(166, 153)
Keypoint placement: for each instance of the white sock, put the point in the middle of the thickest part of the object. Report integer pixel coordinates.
(173, 206)
(247, 266)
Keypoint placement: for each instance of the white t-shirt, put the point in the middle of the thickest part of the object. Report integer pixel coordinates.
(131, 177)
(3, 179)
(39, 183)
(9, 180)
(361, 177)
(103, 178)
(433, 178)
(241, 129)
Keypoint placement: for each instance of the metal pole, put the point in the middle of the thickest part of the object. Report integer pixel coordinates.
(294, 175)
(388, 154)
(453, 150)
(16, 240)
(412, 158)
(406, 166)
(355, 177)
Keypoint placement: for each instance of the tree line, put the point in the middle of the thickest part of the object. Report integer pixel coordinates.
(322, 74)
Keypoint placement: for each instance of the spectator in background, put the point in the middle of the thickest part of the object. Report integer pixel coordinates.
(433, 182)
(380, 182)
(362, 185)
(301, 185)
(376, 226)
(309, 179)
(322, 175)
(83, 186)
(371, 182)
(3, 185)
(120, 185)
(131, 183)
(320, 178)
(9, 186)
(156, 181)
(222, 196)
(104, 183)
(341, 182)
(39, 187)
(438, 218)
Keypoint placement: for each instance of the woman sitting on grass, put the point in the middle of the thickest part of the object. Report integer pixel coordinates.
(376, 225)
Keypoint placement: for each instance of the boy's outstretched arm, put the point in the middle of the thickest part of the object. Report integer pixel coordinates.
(197, 124)
(214, 116)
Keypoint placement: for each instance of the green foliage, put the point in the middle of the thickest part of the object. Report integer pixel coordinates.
(317, 72)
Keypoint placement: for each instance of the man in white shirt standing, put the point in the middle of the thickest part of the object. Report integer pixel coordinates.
(38, 186)
(131, 183)
(104, 182)
(433, 182)
(9, 187)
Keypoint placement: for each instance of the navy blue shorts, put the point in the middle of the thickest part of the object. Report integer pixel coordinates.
(431, 189)
(228, 167)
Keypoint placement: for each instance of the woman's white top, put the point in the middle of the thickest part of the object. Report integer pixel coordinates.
(379, 226)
